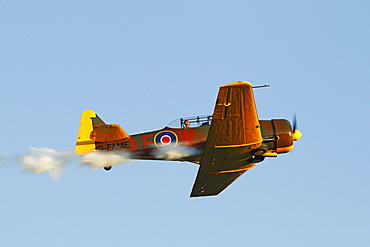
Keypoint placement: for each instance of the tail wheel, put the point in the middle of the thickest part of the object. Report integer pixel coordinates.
(107, 168)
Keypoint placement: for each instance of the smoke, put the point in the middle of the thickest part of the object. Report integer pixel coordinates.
(40, 160)
(171, 152)
(102, 159)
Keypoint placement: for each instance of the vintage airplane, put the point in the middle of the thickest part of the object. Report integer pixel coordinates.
(227, 144)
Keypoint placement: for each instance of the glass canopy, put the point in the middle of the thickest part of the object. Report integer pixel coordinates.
(190, 122)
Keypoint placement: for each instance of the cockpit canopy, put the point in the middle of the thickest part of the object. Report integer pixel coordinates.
(192, 122)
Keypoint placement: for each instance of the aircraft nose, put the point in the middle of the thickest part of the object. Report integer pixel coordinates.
(297, 135)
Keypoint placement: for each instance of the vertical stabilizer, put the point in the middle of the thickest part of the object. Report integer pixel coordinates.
(84, 143)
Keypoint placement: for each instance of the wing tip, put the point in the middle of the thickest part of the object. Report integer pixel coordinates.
(203, 194)
(238, 84)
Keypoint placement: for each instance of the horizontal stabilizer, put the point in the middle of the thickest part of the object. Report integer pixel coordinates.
(93, 130)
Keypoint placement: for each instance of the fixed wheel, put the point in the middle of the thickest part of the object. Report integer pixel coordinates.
(256, 159)
(259, 151)
(107, 168)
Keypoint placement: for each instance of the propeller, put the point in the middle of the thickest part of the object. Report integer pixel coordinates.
(296, 133)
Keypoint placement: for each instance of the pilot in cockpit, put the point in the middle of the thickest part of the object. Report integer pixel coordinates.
(187, 124)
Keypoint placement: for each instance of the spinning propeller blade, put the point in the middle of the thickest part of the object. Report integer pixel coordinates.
(296, 133)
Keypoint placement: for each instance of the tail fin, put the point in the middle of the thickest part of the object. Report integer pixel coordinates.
(93, 130)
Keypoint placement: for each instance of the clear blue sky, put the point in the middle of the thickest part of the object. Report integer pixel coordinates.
(147, 63)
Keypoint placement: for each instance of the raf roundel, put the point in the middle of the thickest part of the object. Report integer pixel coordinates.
(165, 138)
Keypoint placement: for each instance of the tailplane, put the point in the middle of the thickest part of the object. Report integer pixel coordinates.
(93, 130)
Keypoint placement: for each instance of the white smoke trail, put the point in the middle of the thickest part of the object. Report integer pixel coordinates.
(171, 152)
(40, 160)
(102, 159)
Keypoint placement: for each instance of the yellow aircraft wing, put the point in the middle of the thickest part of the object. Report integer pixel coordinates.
(234, 132)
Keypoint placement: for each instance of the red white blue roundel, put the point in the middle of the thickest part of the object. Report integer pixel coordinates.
(164, 138)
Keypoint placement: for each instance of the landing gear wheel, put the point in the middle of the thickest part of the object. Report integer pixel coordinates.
(256, 159)
(107, 168)
(259, 151)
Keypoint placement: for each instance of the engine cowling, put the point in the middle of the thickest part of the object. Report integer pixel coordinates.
(277, 136)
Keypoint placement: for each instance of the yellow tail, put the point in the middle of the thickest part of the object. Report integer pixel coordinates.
(93, 130)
